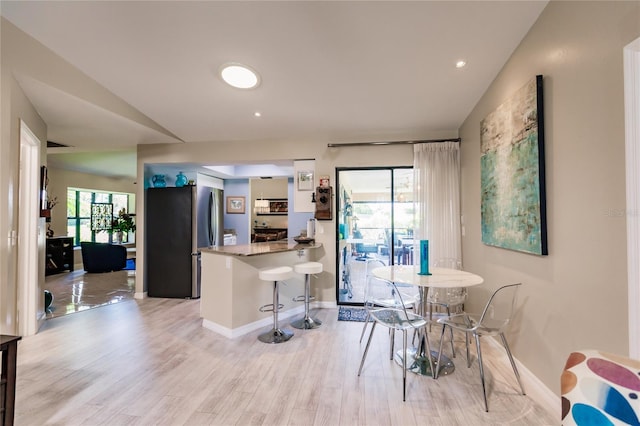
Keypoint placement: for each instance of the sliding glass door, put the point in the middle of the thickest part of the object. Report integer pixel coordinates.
(375, 225)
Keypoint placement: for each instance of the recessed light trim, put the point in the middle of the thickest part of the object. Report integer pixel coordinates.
(257, 114)
(460, 64)
(239, 76)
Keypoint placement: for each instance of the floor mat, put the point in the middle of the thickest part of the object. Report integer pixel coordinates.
(351, 314)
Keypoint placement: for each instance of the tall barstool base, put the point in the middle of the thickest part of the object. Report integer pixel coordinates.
(307, 268)
(275, 335)
(306, 323)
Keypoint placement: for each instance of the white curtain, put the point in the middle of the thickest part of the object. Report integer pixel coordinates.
(437, 199)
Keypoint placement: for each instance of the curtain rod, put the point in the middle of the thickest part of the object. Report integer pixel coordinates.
(340, 145)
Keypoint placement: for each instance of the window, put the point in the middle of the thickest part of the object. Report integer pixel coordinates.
(79, 213)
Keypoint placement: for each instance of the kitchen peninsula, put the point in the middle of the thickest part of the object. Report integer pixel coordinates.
(231, 291)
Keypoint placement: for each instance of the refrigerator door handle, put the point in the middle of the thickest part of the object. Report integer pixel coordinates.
(210, 219)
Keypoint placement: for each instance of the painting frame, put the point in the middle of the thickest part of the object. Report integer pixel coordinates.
(44, 184)
(512, 167)
(101, 216)
(305, 180)
(236, 204)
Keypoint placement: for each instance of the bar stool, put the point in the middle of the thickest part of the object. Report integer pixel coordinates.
(306, 268)
(279, 273)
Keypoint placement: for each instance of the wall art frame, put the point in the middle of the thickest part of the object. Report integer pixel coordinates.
(236, 204)
(101, 216)
(512, 167)
(277, 207)
(305, 181)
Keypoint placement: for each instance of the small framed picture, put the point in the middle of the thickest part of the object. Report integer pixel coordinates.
(324, 181)
(305, 181)
(235, 205)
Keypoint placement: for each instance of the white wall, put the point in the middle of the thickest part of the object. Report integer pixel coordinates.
(576, 297)
(14, 106)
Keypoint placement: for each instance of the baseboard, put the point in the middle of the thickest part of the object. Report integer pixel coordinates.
(533, 386)
(140, 295)
(324, 305)
(232, 333)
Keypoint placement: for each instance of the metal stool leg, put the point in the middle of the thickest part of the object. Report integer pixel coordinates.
(275, 335)
(306, 322)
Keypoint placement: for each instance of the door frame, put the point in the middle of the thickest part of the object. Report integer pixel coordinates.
(338, 198)
(29, 232)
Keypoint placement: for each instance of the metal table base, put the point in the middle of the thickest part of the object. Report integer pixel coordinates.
(420, 364)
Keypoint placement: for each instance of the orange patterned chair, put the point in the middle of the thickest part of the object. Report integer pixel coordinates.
(599, 388)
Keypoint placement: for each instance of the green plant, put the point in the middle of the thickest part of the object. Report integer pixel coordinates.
(123, 222)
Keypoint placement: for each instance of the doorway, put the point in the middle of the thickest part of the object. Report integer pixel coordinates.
(375, 225)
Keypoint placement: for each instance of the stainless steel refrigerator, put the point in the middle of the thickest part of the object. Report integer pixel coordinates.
(178, 221)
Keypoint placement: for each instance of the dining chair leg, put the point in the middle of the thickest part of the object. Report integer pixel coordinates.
(466, 342)
(435, 374)
(364, 328)
(392, 334)
(366, 349)
(484, 389)
(453, 350)
(404, 365)
(513, 364)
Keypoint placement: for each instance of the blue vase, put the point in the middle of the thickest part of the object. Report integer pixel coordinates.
(158, 181)
(424, 258)
(181, 180)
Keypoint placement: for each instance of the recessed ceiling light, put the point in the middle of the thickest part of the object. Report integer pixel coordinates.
(460, 64)
(257, 114)
(240, 76)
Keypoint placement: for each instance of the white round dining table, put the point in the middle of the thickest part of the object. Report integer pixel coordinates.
(438, 278)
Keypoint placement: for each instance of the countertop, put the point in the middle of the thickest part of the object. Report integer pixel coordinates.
(255, 249)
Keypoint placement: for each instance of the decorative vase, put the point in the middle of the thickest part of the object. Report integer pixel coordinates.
(158, 181)
(48, 300)
(181, 180)
(117, 237)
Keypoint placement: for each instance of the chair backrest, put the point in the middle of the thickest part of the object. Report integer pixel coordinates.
(497, 313)
(448, 262)
(447, 296)
(381, 294)
(372, 264)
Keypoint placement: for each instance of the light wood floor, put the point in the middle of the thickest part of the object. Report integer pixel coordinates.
(150, 361)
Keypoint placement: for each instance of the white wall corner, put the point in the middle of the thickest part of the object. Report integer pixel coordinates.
(632, 155)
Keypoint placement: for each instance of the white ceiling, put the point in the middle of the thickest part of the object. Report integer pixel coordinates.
(338, 71)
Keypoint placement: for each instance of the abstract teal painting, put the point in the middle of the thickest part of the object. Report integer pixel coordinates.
(513, 208)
